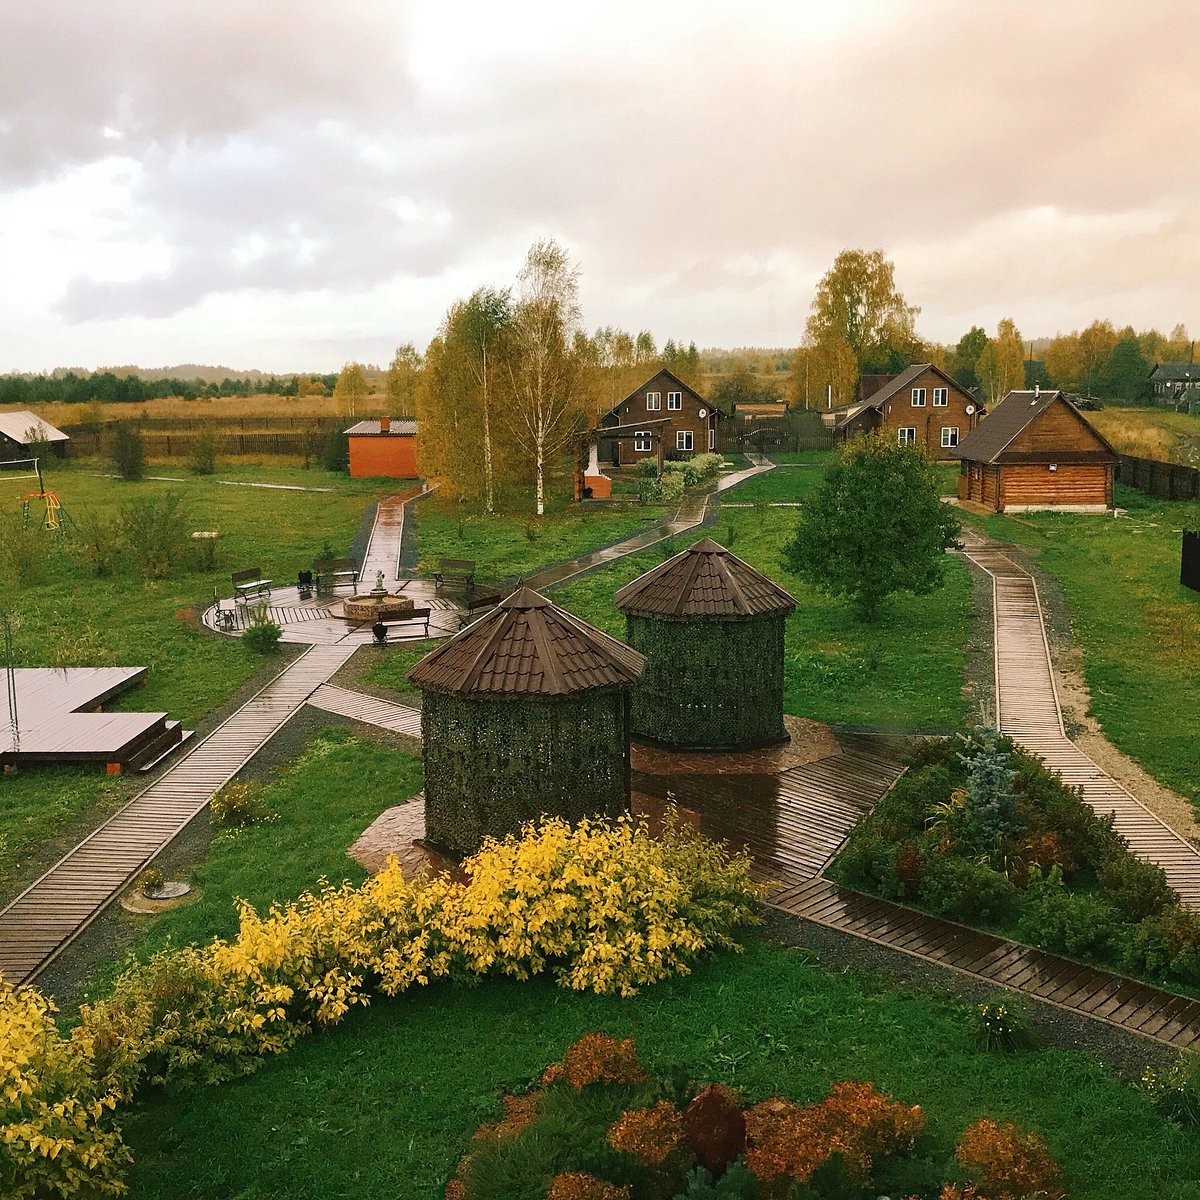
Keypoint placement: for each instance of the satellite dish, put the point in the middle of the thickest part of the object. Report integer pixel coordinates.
(970, 410)
(703, 413)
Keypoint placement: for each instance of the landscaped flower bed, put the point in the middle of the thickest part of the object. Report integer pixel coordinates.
(600, 1127)
(981, 832)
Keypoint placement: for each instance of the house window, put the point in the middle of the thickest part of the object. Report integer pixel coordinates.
(674, 401)
(918, 397)
(941, 397)
(907, 436)
(653, 401)
(949, 436)
(712, 439)
(641, 441)
(683, 439)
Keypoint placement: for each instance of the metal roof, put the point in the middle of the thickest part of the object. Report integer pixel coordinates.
(16, 426)
(404, 426)
(1177, 372)
(1015, 413)
(528, 646)
(704, 581)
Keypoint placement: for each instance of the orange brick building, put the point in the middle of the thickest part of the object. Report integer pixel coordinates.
(383, 449)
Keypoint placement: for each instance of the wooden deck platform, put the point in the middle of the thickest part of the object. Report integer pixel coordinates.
(60, 720)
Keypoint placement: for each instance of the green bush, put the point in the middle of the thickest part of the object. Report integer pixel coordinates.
(647, 468)
(962, 887)
(1175, 1092)
(1165, 944)
(1075, 923)
(998, 1026)
(262, 634)
(867, 863)
(671, 487)
(202, 458)
(155, 534)
(238, 805)
(1139, 889)
(128, 453)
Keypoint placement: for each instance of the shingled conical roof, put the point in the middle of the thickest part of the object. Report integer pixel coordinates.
(704, 581)
(528, 646)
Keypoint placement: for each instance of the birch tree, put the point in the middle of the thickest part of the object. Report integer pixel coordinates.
(545, 409)
(486, 318)
(1001, 362)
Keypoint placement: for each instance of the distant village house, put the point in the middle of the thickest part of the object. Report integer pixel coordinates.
(25, 435)
(1172, 382)
(675, 415)
(386, 449)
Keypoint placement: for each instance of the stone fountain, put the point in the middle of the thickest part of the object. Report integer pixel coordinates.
(376, 605)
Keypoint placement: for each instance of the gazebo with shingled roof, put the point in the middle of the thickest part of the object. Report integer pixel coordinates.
(711, 628)
(524, 713)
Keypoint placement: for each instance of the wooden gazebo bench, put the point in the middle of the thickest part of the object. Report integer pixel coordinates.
(333, 571)
(250, 582)
(459, 572)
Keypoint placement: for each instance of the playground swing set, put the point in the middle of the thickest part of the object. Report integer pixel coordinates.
(42, 505)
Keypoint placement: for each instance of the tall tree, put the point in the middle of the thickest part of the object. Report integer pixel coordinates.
(350, 391)
(645, 351)
(486, 318)
(1096, 343)
(1126, 373)
(824, 374)
(402, 380)
(546, 408)
(965, 356)
(1001, 364)
(857, 304)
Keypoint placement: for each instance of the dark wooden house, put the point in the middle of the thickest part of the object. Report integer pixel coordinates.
(691, 426)
(1035, 450)
(524, 713)
(923, 406)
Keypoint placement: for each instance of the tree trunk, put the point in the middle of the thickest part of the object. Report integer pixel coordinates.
(541, 485)
(489, 493)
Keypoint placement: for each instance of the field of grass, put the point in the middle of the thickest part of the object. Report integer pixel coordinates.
(906, 671)
(69, 616)
(1138, 628)
(1151, 433)
(505, 546)
(382, 1107)
(322, 801)
(809, 457)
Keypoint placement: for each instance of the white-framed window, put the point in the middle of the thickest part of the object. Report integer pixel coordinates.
(949, 436)
(653, 401)
(918, 397)
(712, 439)
(907, 435)
(641, 441)
(941, 397)
(674, 401)
(683, 439)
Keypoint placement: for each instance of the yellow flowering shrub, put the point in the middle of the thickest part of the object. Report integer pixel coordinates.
(56, 1132)
(602, 905)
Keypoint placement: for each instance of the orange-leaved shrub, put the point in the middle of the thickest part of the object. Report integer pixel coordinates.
(1009, 1165)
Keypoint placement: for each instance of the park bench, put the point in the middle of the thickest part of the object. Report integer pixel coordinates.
(475, 606)
(456, 571)
(332, 571)
(250, 582)
(383, 630)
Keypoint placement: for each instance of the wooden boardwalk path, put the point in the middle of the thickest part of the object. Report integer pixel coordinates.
(55, 908)
(1029, 713)
(386, 714)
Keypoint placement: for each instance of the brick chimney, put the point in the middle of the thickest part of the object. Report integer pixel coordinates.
(385, 424)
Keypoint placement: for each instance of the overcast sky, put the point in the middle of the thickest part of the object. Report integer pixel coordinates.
(293, 185)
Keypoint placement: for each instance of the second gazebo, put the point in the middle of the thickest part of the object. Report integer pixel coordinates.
(524, 713)
(711, 628)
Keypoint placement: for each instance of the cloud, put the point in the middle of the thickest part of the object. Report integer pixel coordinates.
(704, 162)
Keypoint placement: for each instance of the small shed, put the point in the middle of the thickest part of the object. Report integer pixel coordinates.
(711, 628)
(22, 433)
(386, 449)
(524, 713)
(1036, 450)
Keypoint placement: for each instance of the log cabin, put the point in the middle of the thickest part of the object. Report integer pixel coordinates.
(1035, 450)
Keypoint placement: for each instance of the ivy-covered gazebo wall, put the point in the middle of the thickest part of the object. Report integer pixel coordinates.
(492, 763)
(709, 684)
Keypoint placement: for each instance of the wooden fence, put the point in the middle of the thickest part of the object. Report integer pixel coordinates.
(90, 443)
(1167, 481)
(222, 424)
(1189, 562)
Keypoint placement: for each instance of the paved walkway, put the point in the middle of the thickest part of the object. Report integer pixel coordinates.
(1029, 713)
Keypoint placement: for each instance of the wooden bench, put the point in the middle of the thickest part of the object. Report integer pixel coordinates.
(332, 571)
(418, 616)
(250, 583)
(457, 571)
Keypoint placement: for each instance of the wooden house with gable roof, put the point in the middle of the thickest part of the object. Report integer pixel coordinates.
(1036, 450)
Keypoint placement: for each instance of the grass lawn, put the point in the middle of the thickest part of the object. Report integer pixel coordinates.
(384, 1105)
(504, 546)
(906, 671)
(1151, 433)
(274, 470)
(1138, 628)
(70, 616)
(812, 457)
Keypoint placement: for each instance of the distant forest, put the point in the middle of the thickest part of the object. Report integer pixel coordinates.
(106, 387)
